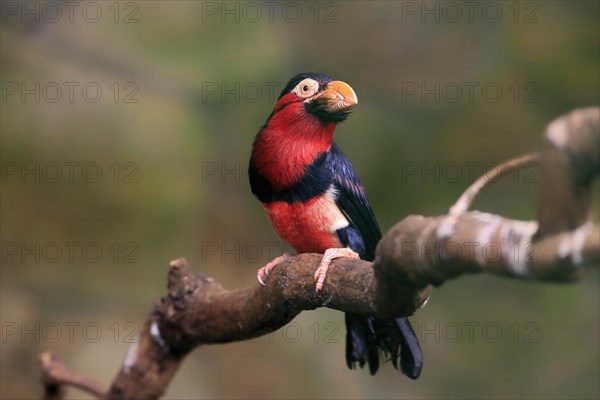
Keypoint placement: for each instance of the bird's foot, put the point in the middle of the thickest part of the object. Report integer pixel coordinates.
(264, 271)
(330, 255)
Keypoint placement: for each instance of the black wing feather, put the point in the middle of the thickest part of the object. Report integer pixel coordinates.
(352, 200)
(366, 335)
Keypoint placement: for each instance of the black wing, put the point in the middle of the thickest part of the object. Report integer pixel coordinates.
(366, 335)
(352, 200)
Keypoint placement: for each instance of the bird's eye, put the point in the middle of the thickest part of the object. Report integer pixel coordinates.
(306, 88)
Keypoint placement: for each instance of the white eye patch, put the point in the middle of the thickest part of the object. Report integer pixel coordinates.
(307, 88)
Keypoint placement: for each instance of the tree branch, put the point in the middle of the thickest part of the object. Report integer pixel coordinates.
(57, 375)
(416, 253)
(434, 249)
(571, 155)
(464, 201)
(197, 310)
(482, 242)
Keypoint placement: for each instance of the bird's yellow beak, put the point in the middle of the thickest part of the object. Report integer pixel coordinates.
(339, 96)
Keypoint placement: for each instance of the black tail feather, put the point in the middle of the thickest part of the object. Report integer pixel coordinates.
(356, 343)
(367, 336)
(411, 357)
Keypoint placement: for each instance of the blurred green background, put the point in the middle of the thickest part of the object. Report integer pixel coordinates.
(126, 130)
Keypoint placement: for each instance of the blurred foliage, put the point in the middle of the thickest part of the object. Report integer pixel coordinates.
(181, 151)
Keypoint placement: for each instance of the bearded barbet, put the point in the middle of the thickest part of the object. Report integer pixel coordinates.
(316, 203)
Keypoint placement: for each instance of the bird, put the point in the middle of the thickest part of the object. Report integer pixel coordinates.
(316, 203)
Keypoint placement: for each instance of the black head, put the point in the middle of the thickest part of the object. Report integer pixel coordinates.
(292, 83)
(323, 97)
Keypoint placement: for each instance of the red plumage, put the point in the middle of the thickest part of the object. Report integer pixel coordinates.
(290, 141)
(308, 226)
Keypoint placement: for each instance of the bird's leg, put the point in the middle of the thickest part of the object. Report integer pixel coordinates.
(330, 255)
(264, 271)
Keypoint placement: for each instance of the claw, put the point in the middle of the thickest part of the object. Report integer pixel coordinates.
(264, 271)
(259, 278)
(330, 255)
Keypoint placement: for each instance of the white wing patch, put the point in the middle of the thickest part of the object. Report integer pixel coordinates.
(338, 219)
